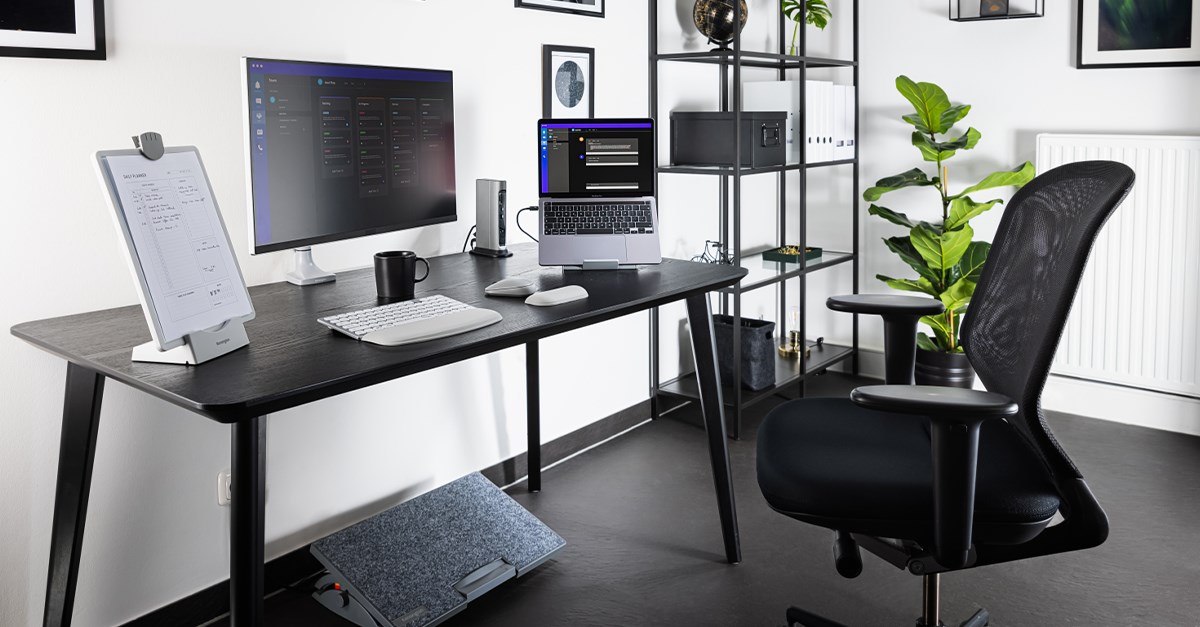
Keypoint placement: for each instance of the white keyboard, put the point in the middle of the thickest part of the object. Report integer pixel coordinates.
(411, 321)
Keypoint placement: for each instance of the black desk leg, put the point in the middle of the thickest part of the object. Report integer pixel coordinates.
(246, 528)
(76, 453)
(711, 403)
(533, 411)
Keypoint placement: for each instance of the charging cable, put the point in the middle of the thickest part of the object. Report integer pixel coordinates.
(470, 241)
(518, 219)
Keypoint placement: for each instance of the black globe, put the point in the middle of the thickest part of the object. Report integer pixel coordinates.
(714, 19)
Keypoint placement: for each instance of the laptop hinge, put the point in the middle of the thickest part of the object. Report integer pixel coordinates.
(600, 264)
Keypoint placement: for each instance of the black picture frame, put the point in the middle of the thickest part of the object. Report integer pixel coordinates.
(548, 77)
(1088, 16)
(560, 6)
(97, 52)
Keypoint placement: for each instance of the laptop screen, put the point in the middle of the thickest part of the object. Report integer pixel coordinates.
(596, 158)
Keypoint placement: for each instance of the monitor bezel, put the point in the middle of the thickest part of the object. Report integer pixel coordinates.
(593, 121)
(248, 148)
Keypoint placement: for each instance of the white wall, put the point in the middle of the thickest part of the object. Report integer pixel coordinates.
(154, 532)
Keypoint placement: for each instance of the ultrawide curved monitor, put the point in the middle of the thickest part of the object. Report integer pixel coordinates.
(338, 151)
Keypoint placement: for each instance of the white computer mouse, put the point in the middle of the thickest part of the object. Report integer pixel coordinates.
(564, 294)
(512, 286)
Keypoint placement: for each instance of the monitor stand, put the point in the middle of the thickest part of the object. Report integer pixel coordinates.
(305, 272)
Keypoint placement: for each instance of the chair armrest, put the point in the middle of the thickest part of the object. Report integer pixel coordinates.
(956, 405)
(900, 316)
(956, 415)
(886, 305)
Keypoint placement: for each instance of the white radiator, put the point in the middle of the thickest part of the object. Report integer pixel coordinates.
(1136, 317)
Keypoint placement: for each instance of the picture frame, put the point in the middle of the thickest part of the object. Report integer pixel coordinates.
(594, 8)
(1161, 33)
(568, 82)
(53, 29)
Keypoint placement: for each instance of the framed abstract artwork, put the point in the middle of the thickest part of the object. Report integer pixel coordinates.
(568, 77)
(594, 8)
(59, 29)
(1138, 33)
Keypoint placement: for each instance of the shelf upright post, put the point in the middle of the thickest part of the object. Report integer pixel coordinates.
(854, 360)
(801, 297)
(781, 227)
(736, 245)
(652, 20)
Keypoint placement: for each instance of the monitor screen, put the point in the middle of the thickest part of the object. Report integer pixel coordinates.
(340, 151)
(596, 158)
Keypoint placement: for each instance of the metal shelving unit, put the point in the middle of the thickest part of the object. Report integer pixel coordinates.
(788, 371)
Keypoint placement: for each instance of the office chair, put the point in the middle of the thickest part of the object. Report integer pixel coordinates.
(935, 479)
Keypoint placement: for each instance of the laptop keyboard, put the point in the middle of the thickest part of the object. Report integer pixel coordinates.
(576, 218)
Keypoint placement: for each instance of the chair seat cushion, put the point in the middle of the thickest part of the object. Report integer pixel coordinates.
(833, 463)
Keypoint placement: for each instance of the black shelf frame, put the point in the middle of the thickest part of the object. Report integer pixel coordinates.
(790, 372)
(954, 12)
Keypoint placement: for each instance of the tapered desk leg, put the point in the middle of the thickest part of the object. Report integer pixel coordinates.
(711, 403)
(246, 571)
(76, 454)
(533, 411)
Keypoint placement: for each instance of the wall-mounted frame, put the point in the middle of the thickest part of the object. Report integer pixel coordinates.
(55, 29)
(1138, 33)
(568, 82)
(980, 10)
(594, 8)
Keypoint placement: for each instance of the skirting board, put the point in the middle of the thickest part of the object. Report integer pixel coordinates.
(1102, 401)
(213, 602)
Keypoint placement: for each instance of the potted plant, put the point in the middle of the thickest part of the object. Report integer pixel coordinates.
(942, 252)
(816, 12)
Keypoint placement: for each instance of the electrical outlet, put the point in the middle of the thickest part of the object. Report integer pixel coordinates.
(224, 487)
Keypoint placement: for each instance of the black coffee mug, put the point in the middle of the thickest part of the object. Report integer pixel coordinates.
(396, 274)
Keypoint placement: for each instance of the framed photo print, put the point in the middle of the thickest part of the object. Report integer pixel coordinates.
(60, 29)
(1138, 33)
(568, 89)
(594, 8)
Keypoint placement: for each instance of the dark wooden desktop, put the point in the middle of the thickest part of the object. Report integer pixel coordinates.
(293, 360)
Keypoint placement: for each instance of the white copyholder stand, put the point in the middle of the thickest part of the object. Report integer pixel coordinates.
(195, 346)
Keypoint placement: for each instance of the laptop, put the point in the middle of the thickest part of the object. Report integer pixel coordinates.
(596, 207)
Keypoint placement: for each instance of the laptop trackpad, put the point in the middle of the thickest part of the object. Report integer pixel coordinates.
(590, 247)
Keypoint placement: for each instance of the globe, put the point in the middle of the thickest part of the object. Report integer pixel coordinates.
(714, 19)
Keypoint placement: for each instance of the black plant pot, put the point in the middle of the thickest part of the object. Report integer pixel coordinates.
(945, 369)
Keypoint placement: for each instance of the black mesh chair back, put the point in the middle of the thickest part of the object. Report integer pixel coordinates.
(1020, 307)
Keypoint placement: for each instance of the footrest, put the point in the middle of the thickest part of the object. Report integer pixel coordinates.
(423, 561)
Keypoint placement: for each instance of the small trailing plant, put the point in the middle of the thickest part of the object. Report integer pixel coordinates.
(816, 12)
(948, 263)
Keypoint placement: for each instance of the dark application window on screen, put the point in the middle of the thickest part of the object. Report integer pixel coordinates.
(349, 154)
(605, 159)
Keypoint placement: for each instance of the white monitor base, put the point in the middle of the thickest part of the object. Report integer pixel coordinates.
(197, 347)
(306, 272)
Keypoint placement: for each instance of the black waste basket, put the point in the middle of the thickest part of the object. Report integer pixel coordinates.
(758, 351)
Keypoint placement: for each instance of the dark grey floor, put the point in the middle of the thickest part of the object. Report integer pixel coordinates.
(644, 548)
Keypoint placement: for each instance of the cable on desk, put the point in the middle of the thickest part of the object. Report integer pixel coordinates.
(470, 238)
(519, 222)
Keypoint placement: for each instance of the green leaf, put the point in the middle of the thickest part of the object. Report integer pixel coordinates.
(903, 248)
(913, 178)
(941, 151)
(963, 209)
(941, 250)
(1014, 178)
(952, 116)
(959, 294)
(908, 285)
(891, 216)
(817, 12)
(924, 343)
(929, 101)
(940, 331)
(970, 267)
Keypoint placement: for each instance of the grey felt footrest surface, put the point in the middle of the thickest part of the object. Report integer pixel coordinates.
(416, 564)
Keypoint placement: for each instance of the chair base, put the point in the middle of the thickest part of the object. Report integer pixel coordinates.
(797, 617)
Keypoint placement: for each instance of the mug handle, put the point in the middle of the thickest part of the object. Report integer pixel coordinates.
(422, 260)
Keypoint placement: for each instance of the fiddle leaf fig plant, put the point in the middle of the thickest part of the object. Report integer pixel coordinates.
(943, 252)
(816, 12)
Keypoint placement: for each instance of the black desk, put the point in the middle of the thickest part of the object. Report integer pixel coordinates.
(293, 360)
